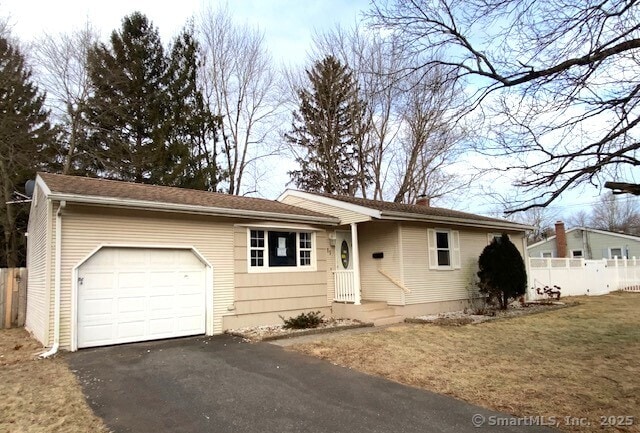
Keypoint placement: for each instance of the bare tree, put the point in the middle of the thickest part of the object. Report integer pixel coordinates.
(410, 138)
(616, 214)
(562, 75)
(430, 141)
(580, 218)
(375, 62)
(239, 85)
(62, 69)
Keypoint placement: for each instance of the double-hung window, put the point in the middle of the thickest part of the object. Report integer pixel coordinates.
(274, 249)
(444, 249)
(305, 248)
(256, 242)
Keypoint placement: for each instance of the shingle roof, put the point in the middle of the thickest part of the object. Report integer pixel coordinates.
(112, 189)
(386, 206)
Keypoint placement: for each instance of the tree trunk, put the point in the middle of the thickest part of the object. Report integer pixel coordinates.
(9, 219)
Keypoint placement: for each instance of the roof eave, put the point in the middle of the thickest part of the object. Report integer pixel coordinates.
(191, 209)
(363, 210)
(391, 215)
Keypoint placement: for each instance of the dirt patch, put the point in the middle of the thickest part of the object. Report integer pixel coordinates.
(579, 362)
(276, 332)
(39, 395)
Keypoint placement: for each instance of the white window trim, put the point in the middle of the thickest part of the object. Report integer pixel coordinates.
(281, 269)
(581, 256)
(616, 248)
(542, 253)
(454, 249)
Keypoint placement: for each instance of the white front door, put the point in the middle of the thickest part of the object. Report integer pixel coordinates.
(138, 294)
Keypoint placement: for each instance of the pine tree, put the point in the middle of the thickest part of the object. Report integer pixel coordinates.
(25, 134)
(502, 271)
(127, 111)
(326, 129)
(192, 136)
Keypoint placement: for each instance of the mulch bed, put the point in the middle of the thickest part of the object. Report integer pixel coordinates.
(460, 318)
(277, 332)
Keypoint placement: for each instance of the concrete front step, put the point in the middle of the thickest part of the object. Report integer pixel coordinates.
(376, 312)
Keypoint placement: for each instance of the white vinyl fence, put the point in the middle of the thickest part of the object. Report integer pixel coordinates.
(577, 277)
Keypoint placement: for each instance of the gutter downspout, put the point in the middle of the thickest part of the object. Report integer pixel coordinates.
(57, 276)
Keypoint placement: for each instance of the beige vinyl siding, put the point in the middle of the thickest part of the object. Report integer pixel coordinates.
(380, 237)
(84, 228)
(433, 285)
(37, 263)
(261, 297)
(345, 216)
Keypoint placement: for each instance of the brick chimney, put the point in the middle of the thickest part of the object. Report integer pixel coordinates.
(422, 200)
(561, 240)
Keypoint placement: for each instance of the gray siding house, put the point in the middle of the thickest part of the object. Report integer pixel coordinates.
(581, 242)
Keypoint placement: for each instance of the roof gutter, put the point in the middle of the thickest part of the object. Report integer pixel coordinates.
(191, 209)
(403, 216)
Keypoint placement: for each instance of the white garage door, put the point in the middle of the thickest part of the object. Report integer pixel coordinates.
(135, 294)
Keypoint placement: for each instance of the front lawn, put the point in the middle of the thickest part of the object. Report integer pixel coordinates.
(39, 395)
(580, 362)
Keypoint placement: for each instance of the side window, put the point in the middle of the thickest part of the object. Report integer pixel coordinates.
(546, 254)
(444, 249)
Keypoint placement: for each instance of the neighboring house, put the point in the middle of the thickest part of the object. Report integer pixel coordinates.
(581, 242)
(114, 262)
(413, 259)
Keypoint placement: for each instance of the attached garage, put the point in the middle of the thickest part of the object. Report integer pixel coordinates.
(114, 262)
(136, 294)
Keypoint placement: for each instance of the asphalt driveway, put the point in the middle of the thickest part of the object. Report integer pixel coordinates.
(221, 384)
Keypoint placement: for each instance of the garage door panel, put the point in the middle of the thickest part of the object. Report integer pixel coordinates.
(131, 295)
(161, 304)
(132, 280)
(131, 304)
(95, 335)
(191, 302)
(97, 280)
(162, 326)
(189, 323)
(133, 330)
(98, 307)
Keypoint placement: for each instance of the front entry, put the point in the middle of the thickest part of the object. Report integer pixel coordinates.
(344, 278)
(344, 253)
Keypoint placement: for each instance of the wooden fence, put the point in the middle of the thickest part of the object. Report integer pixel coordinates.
(13, 297)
